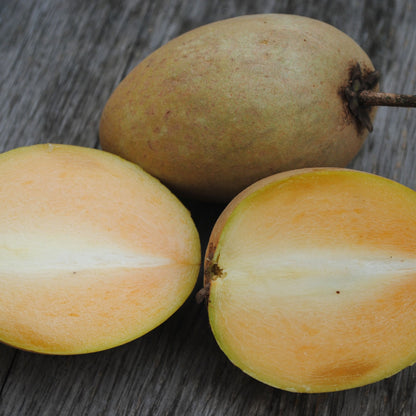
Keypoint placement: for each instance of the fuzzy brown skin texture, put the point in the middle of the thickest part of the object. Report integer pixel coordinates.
(229, 103)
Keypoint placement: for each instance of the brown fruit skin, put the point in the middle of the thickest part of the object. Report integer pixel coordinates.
(237, 100)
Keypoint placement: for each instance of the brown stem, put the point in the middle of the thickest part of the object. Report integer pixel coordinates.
(372, 98)
(360, 95)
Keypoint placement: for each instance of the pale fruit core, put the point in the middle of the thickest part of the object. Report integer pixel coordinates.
(36, 255)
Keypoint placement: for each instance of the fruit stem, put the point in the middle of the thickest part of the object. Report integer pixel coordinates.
(361, 95)
(372, 98)
(203, 294)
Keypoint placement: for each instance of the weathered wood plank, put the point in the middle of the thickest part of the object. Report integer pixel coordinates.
(59, 62)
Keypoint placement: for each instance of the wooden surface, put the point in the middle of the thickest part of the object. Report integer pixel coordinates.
(59, 62)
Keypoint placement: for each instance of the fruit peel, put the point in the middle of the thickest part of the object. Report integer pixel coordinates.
(234, 101)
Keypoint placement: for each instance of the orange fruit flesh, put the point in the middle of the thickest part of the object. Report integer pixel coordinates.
(318, 284)
(94, 252)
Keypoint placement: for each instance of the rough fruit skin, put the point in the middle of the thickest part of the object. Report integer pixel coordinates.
(231, 102)
(94, 252)
(312, 279)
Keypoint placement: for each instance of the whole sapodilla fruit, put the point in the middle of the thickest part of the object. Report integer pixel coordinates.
(233, 101)
(94, 251)
(310, 279)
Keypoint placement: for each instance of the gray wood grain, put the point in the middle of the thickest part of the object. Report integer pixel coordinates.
(59, 62)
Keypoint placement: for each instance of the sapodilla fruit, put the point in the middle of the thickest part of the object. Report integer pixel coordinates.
(310, 279)
(231, 102)
(94, 251)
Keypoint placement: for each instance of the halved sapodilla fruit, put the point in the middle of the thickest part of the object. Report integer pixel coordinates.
(310, 279)
(94, 252)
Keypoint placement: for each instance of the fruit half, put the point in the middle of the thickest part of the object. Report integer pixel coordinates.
(311, 279)
(94, 252)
